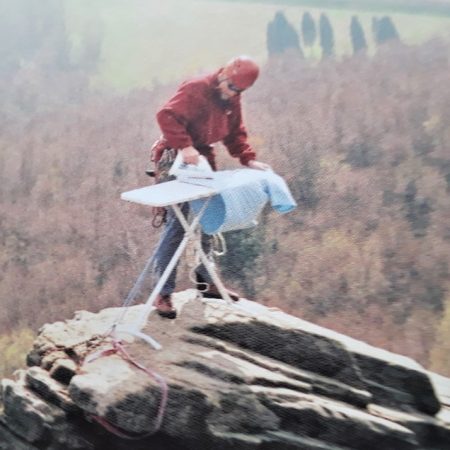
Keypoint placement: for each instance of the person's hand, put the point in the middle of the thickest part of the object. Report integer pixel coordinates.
(190, 155)
(253, 164)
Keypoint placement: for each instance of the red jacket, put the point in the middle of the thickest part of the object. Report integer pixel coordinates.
(197, 116)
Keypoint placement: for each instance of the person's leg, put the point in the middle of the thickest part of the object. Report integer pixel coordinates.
(204, 282)
(170, 240)
(201, 272)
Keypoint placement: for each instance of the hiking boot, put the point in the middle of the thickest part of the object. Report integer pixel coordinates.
(212, 291)
(164, 307)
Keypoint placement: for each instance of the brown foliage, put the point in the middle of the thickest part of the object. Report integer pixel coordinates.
(362, 143)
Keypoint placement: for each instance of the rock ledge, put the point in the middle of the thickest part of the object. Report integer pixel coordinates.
(239, 376)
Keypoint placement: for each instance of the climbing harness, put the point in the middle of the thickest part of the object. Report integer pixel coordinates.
(161, 175)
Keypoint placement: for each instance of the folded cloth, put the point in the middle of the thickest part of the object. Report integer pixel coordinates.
(243, 193)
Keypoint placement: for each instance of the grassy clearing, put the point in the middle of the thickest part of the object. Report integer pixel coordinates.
(149, 41)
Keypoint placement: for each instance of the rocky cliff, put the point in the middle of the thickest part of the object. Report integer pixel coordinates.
(239, 376)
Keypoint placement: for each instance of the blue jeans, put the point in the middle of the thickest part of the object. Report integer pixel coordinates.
(169, 241)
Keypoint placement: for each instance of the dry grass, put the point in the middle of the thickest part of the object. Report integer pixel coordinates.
(13, 347)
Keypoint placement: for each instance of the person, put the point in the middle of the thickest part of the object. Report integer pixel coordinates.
(204, 110)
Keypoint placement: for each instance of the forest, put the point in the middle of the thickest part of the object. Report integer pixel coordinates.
(361, 140)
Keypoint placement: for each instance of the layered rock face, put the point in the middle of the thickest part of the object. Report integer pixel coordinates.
(239, 376)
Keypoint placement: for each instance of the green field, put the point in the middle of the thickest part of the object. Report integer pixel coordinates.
(428, 7)
(148, 41)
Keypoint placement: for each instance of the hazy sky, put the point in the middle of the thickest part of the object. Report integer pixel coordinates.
(142, 41)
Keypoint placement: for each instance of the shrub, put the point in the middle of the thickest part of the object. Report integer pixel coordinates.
(326, 36)
(13, 347)
(308, 28)
(281, 35)
(357, 36)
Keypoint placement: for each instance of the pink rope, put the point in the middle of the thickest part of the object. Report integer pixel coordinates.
(115, 430)
(118, 348)
(161, 381)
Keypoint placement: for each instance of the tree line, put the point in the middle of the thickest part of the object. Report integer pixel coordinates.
(283, 36)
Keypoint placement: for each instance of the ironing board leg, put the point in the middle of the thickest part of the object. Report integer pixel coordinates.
(206, 262)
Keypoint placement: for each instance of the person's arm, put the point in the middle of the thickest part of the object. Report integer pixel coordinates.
(236, 141)
(173, 119)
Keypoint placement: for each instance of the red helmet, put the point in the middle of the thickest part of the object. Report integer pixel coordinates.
(242, 72)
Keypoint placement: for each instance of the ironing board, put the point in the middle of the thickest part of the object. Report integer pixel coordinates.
(173, 194)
